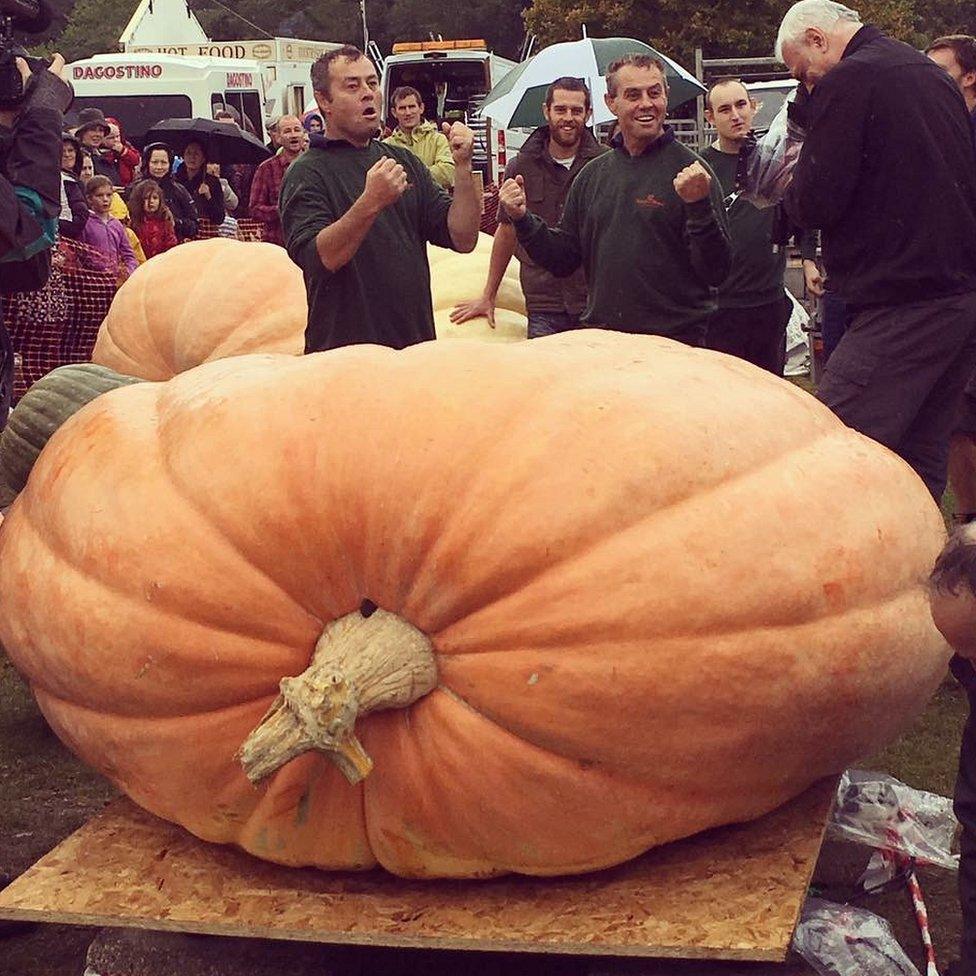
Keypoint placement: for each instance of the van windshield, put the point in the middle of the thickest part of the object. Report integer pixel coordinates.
(451, 90)
(137, 113)
(770, 102)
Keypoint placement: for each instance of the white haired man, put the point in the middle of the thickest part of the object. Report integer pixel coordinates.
(888, 175)
(888, 172)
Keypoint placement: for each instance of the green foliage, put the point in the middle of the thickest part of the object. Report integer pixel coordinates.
(94, 25)
(721, 28)
(499, 22)
(726, 28)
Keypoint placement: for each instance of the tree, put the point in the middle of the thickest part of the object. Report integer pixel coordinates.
(93, 26)
(936, 17)
(726, 28)
(720, 27)
(499, 22)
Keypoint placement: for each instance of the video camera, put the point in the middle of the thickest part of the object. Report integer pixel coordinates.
(23, 17)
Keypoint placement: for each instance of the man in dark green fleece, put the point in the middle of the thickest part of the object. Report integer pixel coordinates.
(357, 215)
(646, 221)
(753, 309)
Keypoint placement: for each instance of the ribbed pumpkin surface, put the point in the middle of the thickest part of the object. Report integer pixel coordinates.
(202, 301)
(41, 410)
(212, 299)
(665, 591)
(461, 277)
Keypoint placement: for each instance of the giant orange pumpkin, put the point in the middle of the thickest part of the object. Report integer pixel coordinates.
(458, 277)
(624, 596)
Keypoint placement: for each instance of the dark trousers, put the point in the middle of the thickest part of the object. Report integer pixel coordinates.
(6, 374)
(550, 323)
(757, 334)
(965, 808)
(834, 319)
(897, 375)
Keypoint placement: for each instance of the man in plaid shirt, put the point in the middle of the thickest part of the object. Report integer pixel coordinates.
(266, 186)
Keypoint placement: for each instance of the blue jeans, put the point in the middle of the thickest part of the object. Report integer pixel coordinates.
(549, 323)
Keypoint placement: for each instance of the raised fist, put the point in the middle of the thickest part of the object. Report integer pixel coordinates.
(386, 181)
(512, 197)
(461, 140)
(692, 183)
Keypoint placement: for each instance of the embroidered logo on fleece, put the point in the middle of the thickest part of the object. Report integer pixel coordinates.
(650, 201)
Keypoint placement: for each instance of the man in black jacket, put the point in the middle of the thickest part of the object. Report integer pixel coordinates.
(888, 174)
(30, 193)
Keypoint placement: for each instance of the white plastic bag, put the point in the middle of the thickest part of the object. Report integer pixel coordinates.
(797, 340)
(877, 810)
(768, 172)
(840, 940)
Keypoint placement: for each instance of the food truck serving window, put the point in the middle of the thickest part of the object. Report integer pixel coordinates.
(137, 113)
(248, 105)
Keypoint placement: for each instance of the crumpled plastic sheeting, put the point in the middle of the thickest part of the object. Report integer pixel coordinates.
(877, 810)
(840, 940)
(766, 174)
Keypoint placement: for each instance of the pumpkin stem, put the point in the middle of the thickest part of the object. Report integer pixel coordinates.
(360, 665)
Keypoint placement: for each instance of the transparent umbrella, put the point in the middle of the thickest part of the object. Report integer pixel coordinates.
(516, 101)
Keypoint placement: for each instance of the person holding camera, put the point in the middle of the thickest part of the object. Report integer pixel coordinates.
(32, 104)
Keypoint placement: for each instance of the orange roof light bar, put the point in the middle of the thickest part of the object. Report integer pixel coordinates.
(403, 47)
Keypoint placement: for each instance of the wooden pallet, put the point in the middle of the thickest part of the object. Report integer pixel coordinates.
(730, 893)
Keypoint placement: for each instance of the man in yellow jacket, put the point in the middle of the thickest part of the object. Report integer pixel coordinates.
(422, 138)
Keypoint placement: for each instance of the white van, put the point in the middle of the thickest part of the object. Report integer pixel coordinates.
(141, 89)
(285, 65)
(770, 95)
(453, 77)
(261, 80)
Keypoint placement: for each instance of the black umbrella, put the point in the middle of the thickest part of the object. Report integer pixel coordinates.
(223, 142)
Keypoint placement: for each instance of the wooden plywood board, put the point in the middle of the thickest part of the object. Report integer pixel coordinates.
(731, 893)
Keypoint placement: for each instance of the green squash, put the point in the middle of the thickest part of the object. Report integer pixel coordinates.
(41, 411)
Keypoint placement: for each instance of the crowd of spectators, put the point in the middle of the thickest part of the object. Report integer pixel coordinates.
(160, 198)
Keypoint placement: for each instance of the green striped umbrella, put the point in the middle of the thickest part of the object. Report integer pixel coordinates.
(516, 101)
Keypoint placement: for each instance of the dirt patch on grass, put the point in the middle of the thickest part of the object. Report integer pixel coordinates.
(45, 792)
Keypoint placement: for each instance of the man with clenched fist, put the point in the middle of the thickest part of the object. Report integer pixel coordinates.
(357, 215)
(646, 221)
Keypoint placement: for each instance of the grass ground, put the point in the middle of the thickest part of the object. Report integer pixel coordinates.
(45, 794)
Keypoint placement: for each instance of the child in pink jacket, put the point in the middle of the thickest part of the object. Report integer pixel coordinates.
(111, 250)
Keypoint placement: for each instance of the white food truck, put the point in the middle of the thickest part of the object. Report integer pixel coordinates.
(260, 79)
